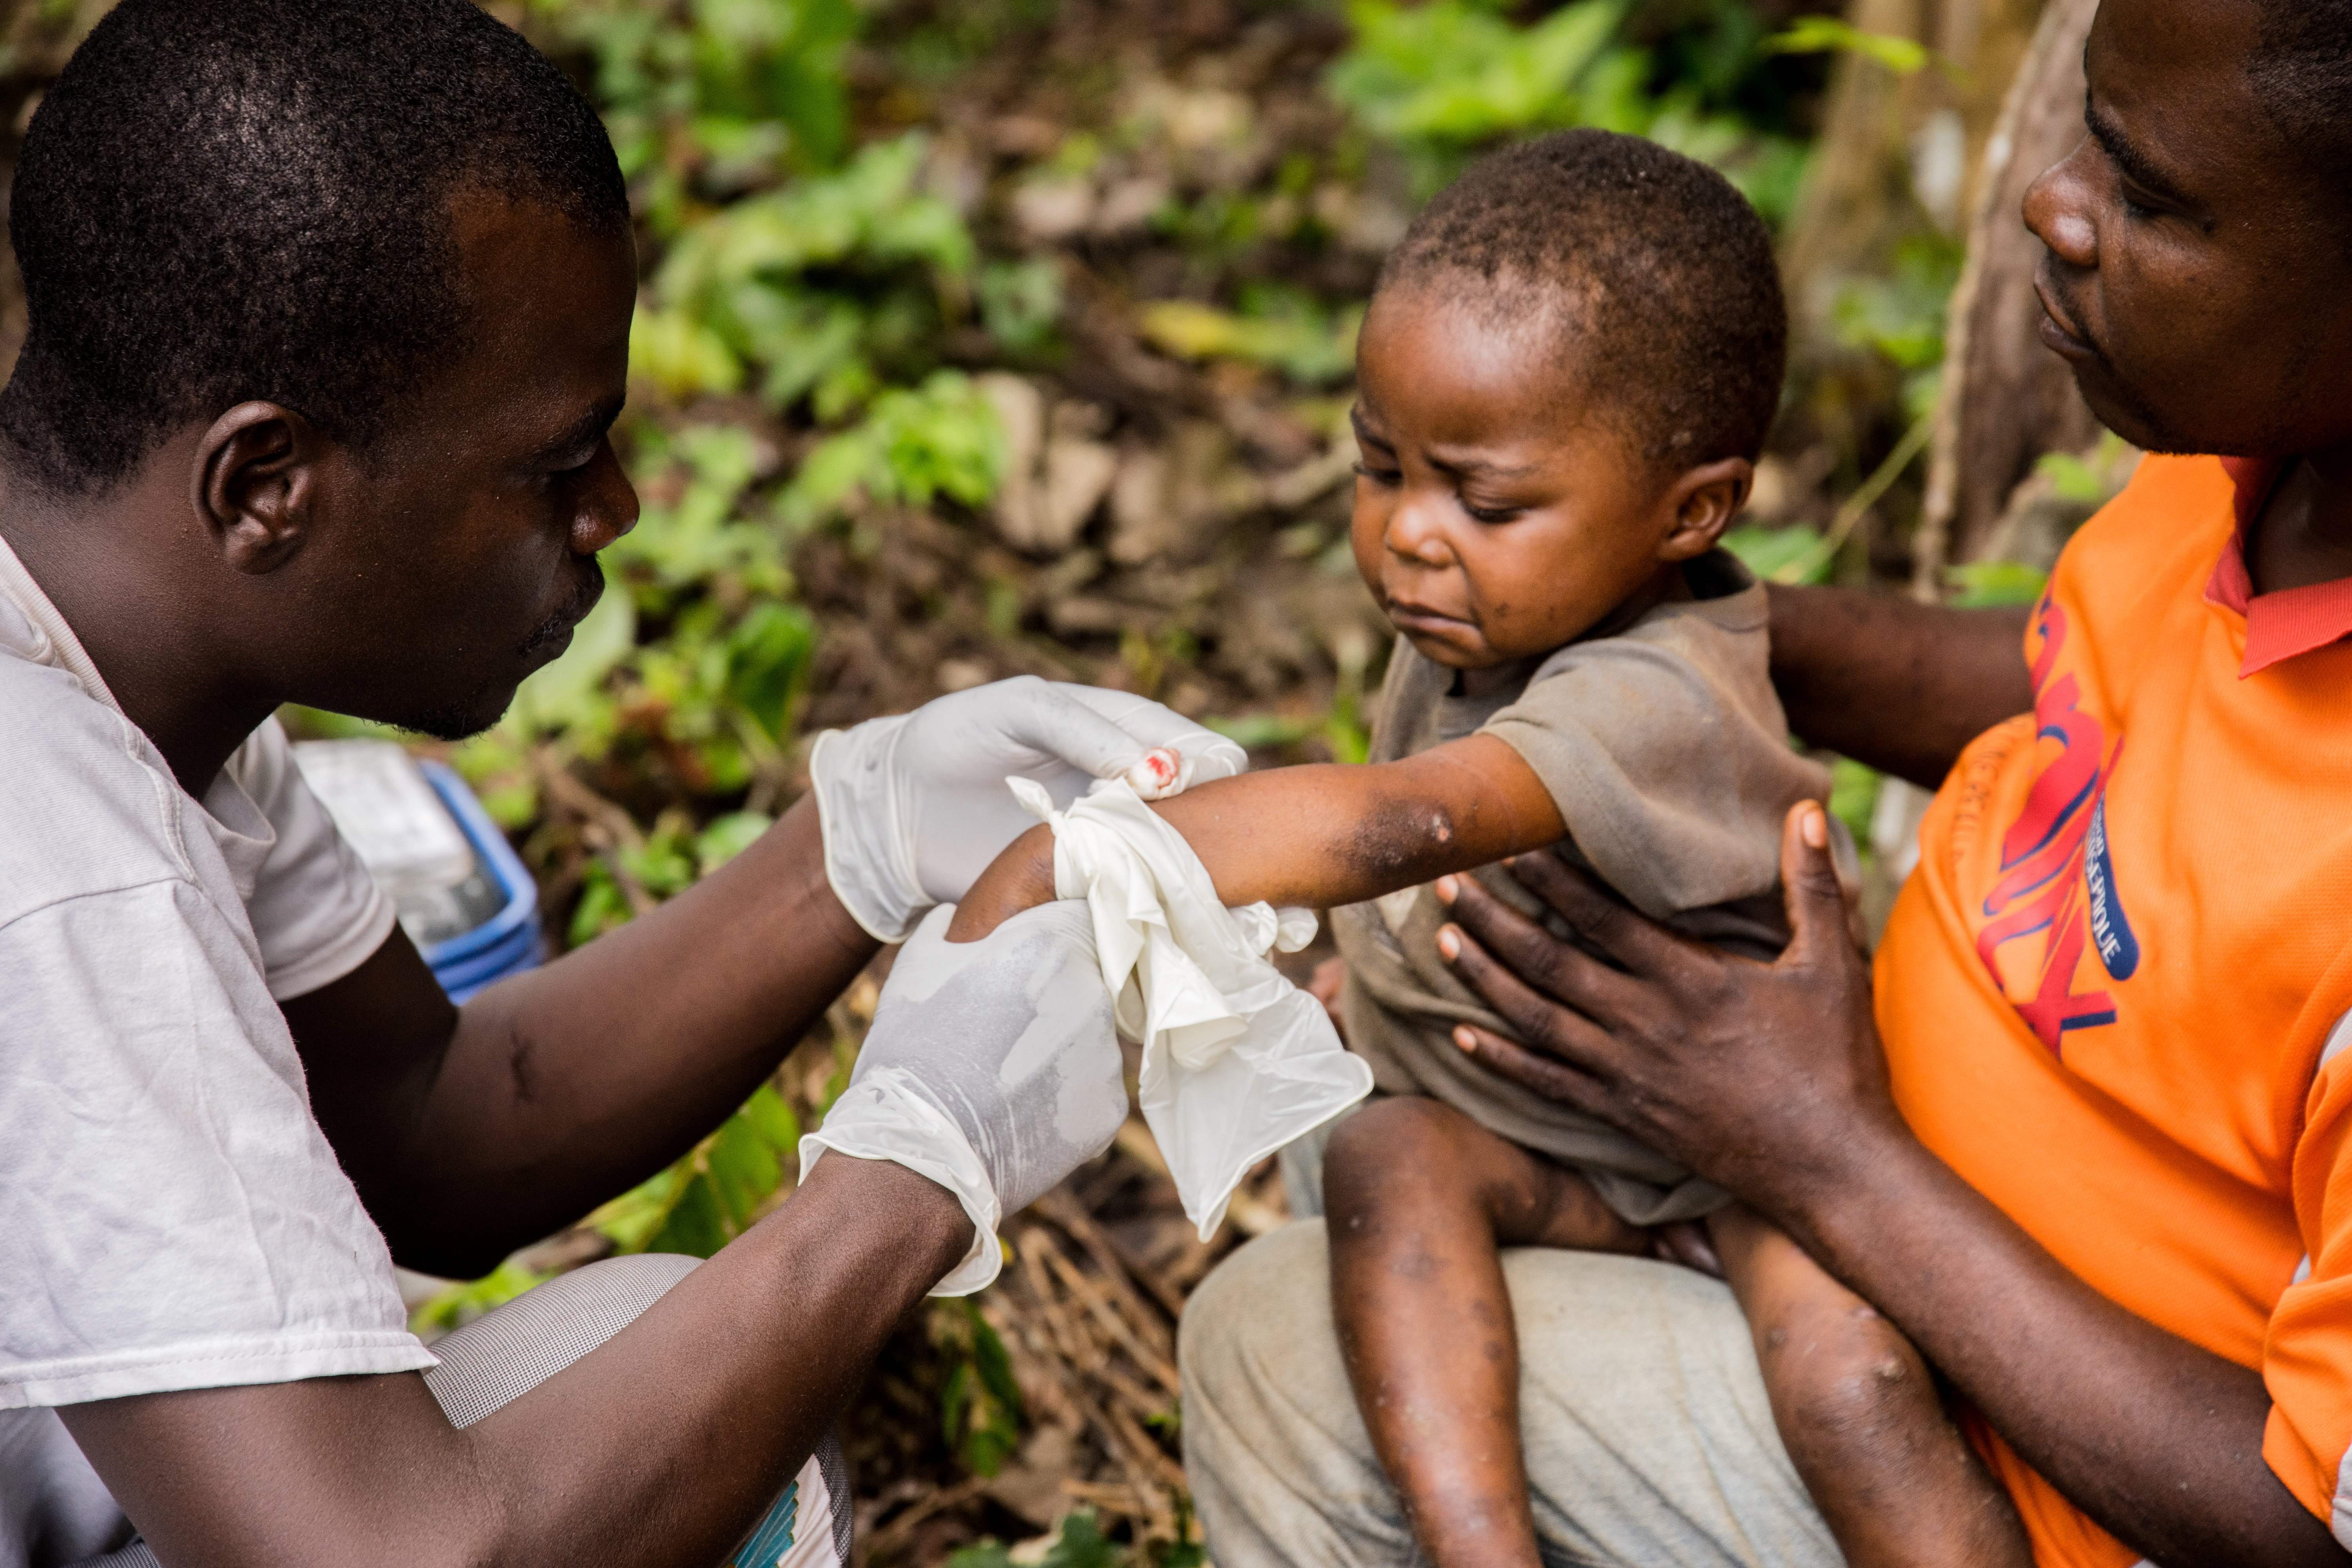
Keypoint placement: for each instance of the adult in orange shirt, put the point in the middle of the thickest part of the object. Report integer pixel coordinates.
(2090, 1153)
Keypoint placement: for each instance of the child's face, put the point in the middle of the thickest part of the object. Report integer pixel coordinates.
(1497, 515)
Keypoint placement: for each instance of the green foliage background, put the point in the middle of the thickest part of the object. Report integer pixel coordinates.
(841, 213)
(814, 311)
(799, 268)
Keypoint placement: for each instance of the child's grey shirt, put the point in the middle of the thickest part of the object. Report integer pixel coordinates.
(1666, 749)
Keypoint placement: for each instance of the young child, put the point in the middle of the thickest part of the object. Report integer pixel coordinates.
(1569, 367)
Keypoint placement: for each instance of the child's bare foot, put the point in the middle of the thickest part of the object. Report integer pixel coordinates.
(1859, 1412)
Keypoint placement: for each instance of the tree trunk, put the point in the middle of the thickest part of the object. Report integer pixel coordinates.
(2007, 400)
(1899, 155)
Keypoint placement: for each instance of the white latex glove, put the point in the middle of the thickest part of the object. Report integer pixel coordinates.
(1237, 1060)
(914, 808)
(990, 1069)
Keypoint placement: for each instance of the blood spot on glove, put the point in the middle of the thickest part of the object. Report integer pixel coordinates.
(1157, 773)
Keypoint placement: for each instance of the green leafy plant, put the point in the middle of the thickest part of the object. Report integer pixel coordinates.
(980, 1407)
(706, 95)
(1081, 1543)
(1020, 304)
(1454, 73)
(1282, 329)
(1901, 315)
(1853, 796)
(1834, 35)
(825, 286)
(1442, 79)
(2090, 479)
(1790, 554)
(461, 1304)
(1991, 584)
(717, 1191)
(941, 438)
(701, 533)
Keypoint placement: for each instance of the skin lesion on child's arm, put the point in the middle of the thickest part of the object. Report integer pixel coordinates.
(1321, 835)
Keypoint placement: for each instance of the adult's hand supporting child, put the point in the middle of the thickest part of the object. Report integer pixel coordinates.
(1763, 1078)
(1768, 1079)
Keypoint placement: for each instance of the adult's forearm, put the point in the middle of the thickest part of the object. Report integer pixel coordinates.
(562, 1087)
(660, 1447)
(810, 1305)
(1896, 684)
(2158, 1440)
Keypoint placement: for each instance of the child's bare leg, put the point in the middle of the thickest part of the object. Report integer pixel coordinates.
(1417, 1199)
(1897, 1484)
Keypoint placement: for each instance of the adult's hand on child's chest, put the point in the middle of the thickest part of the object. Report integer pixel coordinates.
(1767, 1079)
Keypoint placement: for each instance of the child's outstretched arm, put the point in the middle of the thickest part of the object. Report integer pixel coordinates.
(1320, 834)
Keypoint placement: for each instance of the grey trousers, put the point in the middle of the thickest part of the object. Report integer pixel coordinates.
(505, 1354)
(1648, 1439)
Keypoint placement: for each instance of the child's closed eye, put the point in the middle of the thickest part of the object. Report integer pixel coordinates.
(1378, 476)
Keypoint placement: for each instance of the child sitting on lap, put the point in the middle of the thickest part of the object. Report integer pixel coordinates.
(1568, 370)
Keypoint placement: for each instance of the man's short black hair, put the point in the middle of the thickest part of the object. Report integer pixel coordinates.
(1659, 272)
(2301, 75)
(223, 200)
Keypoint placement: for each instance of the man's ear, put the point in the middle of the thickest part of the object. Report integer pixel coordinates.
(1701, 503)
(256, 484)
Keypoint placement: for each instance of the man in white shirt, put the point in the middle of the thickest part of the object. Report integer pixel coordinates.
(329, 304)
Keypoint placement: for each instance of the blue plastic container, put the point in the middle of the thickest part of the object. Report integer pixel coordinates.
(511, 940)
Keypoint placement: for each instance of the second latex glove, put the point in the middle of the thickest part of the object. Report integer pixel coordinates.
(992, 1069)
(1237, 1061)
(914, 806)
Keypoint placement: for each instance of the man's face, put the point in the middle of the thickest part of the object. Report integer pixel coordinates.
(2197, 280)
(456, 554)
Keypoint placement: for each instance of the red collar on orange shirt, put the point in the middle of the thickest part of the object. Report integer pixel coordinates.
(2291, 621)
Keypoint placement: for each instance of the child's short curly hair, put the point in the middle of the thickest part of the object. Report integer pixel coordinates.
(1658, 272)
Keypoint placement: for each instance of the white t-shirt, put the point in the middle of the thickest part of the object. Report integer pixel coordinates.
(170, 1216)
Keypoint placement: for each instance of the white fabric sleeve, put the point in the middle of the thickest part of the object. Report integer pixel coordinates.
(1237, 1061)
(316, 912)
(170, 1216)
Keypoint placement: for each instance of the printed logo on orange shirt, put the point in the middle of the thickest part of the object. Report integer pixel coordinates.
(2057, 879)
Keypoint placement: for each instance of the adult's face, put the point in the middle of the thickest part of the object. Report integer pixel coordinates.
(454, 555)
(2199, 279)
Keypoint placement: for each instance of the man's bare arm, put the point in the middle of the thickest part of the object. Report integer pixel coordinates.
(655, 1450)
(1896, 684)
(472, 1131)
(1769, 1080)
(1320, 834)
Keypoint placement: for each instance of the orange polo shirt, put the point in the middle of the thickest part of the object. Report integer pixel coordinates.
(2114, 994)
